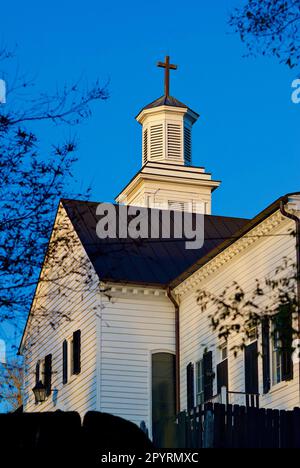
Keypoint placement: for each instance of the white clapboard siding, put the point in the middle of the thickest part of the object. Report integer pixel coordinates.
(257, 261)
(79, 394)
(132, 328)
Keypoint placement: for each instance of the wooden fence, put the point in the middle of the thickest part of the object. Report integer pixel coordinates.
(62, 435)
(227, 426)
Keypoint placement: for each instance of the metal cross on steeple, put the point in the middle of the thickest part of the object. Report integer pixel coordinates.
(167, 66)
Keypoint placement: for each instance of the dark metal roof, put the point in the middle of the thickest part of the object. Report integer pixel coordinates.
(144, 261)
(167, 101)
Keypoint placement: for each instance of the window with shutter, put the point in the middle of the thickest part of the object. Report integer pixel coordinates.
(199, 383)
(277, 374)
(282, 345)
(208, 375)
(190, 385)
(65, 362)
(222, 368)
(76, 352)
(48, 374)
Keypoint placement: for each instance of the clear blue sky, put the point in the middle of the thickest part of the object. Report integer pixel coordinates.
(248, 133)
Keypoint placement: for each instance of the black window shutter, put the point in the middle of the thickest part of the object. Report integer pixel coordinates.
(77, 352)
(190, 386)
(48, 374)
(251, 368)
(37, 372)
(266, 354)
(208, 375)
(65, 361)
(222, 375)
(285, 326)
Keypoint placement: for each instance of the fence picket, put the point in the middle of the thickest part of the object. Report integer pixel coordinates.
(296, 426)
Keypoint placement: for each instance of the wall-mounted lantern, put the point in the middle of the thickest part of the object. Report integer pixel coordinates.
(39, 391)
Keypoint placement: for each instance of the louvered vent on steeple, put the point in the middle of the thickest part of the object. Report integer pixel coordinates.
(174, 141)
(156, 142)
(187, 146)
(145, 146)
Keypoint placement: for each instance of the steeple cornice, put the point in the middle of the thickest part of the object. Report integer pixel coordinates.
(165, 108)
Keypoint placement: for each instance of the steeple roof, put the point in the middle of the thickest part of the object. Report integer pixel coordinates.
(166, 101)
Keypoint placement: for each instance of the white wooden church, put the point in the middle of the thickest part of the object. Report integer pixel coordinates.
(136, 343)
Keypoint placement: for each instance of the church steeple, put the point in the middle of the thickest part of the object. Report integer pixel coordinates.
(167, 126)
(167, 179)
